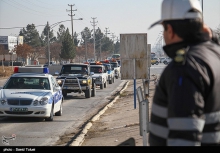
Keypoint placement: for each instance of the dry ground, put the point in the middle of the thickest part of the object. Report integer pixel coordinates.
(6, 71)
(120, 122)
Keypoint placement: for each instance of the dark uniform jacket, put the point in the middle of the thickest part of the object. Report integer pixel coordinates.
(186, 104)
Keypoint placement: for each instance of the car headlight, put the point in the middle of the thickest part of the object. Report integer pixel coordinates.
(3, 101)
(35, 103)
(59, 81)
(43, 101)
(84, 81)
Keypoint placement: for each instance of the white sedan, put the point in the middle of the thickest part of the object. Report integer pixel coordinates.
(31, 95)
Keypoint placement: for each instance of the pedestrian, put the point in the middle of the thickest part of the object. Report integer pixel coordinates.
(186, 104)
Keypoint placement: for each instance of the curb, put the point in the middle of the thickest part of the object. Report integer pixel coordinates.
(80, 139)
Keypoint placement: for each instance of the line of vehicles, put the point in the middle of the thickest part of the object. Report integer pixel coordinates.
(33, 92)
(164, 60)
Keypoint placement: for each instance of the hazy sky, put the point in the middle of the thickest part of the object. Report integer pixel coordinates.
(119, 16)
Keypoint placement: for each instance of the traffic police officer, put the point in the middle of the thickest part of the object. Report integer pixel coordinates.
(186, 104)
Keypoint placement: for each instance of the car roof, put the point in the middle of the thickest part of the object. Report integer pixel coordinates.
(76, 64)
(30, 75)
(96, 65)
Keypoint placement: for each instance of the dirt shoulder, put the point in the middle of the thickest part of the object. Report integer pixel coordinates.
(119, 122)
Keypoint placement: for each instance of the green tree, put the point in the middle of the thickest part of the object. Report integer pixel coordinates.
(98, 38)
(86, 35)
(44, 35)
(117, 47)
(76, 40)
(44, 39)
(68, 49)
(31, 36)
(61, 33)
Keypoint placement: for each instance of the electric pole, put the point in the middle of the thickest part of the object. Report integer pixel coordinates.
(85, 34)
(113, 37)
(48, 39)
(71, 15)
(106, 32)
(100, 49)
(93, 24)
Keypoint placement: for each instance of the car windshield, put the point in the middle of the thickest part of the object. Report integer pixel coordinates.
(73, 69)
(116, 56)
(114, 65)
(96, 69)
(27, 83)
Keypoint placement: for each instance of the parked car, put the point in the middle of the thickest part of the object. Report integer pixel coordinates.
(154, 60)
(162, 59)
(167, 61)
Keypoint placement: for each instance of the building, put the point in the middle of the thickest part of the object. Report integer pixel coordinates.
(9, 43)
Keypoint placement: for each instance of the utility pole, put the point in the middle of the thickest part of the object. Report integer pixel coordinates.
(48, 39)
(100, 49)
(106, 32)
(202, 11)
(113, 37)
(93, 24)
(86, 49)
(71, 15)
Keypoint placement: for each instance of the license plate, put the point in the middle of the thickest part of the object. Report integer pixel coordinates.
(72, 87)
(18, 109)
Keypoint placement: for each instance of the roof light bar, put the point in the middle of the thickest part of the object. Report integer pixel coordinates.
(44, 70)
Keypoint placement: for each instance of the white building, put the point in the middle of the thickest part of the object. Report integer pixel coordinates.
(10, 42)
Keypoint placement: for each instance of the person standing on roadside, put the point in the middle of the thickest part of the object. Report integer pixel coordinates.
(186, 104)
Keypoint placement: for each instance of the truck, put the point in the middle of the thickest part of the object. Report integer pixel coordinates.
(100, 74)
(116, 67)
(74, 78)
(116, 56)
(110, 72)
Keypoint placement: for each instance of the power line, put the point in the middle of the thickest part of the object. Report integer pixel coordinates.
(37, 25)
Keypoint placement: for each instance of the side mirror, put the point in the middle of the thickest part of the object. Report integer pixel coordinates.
(92, 73)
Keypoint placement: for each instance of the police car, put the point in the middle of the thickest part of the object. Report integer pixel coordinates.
(31, 92)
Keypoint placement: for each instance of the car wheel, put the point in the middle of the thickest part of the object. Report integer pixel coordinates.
(105, 84)
(110, 81)
(88, 93)
(101, 86)
(94, 90)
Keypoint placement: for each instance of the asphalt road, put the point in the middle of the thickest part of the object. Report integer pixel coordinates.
(77, 110)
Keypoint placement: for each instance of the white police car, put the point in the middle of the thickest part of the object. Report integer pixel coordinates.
(31, 92)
